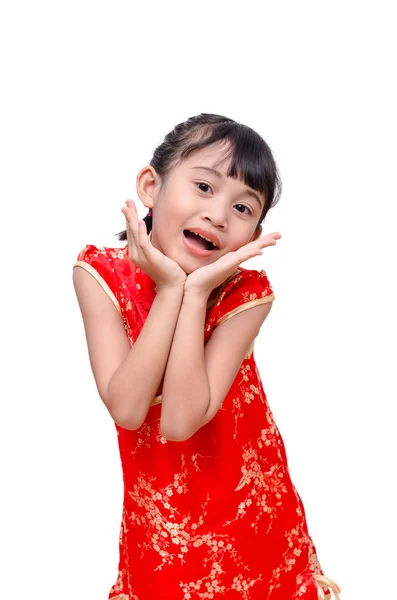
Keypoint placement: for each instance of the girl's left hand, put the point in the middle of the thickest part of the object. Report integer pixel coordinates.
(204, 279)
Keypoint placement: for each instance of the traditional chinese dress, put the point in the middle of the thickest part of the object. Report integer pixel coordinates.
(215, 516)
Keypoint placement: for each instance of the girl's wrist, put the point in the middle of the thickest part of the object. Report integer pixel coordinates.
(168, 288)
(198, 295)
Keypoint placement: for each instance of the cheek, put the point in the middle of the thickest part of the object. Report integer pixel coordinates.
(167, 207)
(181, 206)
(241, 240)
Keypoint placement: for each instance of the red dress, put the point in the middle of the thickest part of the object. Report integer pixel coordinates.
(215, 516)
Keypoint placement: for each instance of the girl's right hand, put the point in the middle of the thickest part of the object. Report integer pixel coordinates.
(164, 271)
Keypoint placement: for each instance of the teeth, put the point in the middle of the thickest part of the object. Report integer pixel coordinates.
(204, 237)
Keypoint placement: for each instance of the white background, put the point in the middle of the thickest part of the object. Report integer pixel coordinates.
(89, 89)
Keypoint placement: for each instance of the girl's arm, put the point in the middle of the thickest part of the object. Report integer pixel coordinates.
(197, 378)
(127, 378)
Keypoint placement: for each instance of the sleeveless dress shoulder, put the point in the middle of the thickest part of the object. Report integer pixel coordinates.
(217, 515)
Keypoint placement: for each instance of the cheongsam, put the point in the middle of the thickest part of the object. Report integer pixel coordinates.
(215, 516)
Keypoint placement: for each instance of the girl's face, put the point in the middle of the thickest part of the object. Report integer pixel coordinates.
(195, 196)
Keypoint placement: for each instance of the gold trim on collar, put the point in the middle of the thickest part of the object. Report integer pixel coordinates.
(100, 280)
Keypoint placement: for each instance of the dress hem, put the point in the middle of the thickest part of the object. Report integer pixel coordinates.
(324, 585)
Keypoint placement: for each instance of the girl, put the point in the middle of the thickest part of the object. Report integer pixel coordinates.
(209, 508)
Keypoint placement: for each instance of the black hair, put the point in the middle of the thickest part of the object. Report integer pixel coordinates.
(252, 160)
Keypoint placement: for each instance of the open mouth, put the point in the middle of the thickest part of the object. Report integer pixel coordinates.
(199, 241)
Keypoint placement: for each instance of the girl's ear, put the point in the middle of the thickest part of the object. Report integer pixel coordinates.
(147, 185)
(257, 234)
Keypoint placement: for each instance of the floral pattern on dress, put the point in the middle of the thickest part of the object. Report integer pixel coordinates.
(215, 516)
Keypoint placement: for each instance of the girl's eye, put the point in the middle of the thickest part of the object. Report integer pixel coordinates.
(205, 184)
(208, 186)
(243, 205)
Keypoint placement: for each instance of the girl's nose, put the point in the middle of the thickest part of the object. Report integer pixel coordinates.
(217, 222)
(217, 215)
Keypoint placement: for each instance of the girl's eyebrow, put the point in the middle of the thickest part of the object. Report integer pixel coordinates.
(218, 174)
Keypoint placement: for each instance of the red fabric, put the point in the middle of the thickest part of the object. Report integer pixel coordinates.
(216, 516)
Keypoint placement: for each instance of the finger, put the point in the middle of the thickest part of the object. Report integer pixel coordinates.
(250, 254)
(244, 254)
(263, 242)
(270, 236)
(143, 238)
(131, 207)
(273, 237)
(131, 230)
(233, 259)
(132, 219)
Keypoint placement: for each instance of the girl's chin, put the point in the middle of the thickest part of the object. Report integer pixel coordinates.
(198, 262)
(191, 269)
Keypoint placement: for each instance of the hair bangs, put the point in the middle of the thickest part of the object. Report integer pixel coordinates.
(251, 159)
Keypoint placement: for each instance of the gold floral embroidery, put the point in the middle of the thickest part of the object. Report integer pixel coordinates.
(153, 519)
(210, 585)
(116, 253)
(246, 368)
(126, 308)
(194, 460)
(220, 547)
(271, 435)
(161, 530)
(298, 541)
(123, 580)
(143, 438)
(265, 488)
(247, 395)
(118, 586)
(172, 536)
(245, 306)
(238, 414)
(220, 295)
(248, 297)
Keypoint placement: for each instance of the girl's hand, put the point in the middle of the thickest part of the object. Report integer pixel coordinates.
(164, 271)
(205, 279)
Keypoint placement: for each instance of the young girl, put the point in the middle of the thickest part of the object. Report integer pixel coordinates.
(210, 510)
